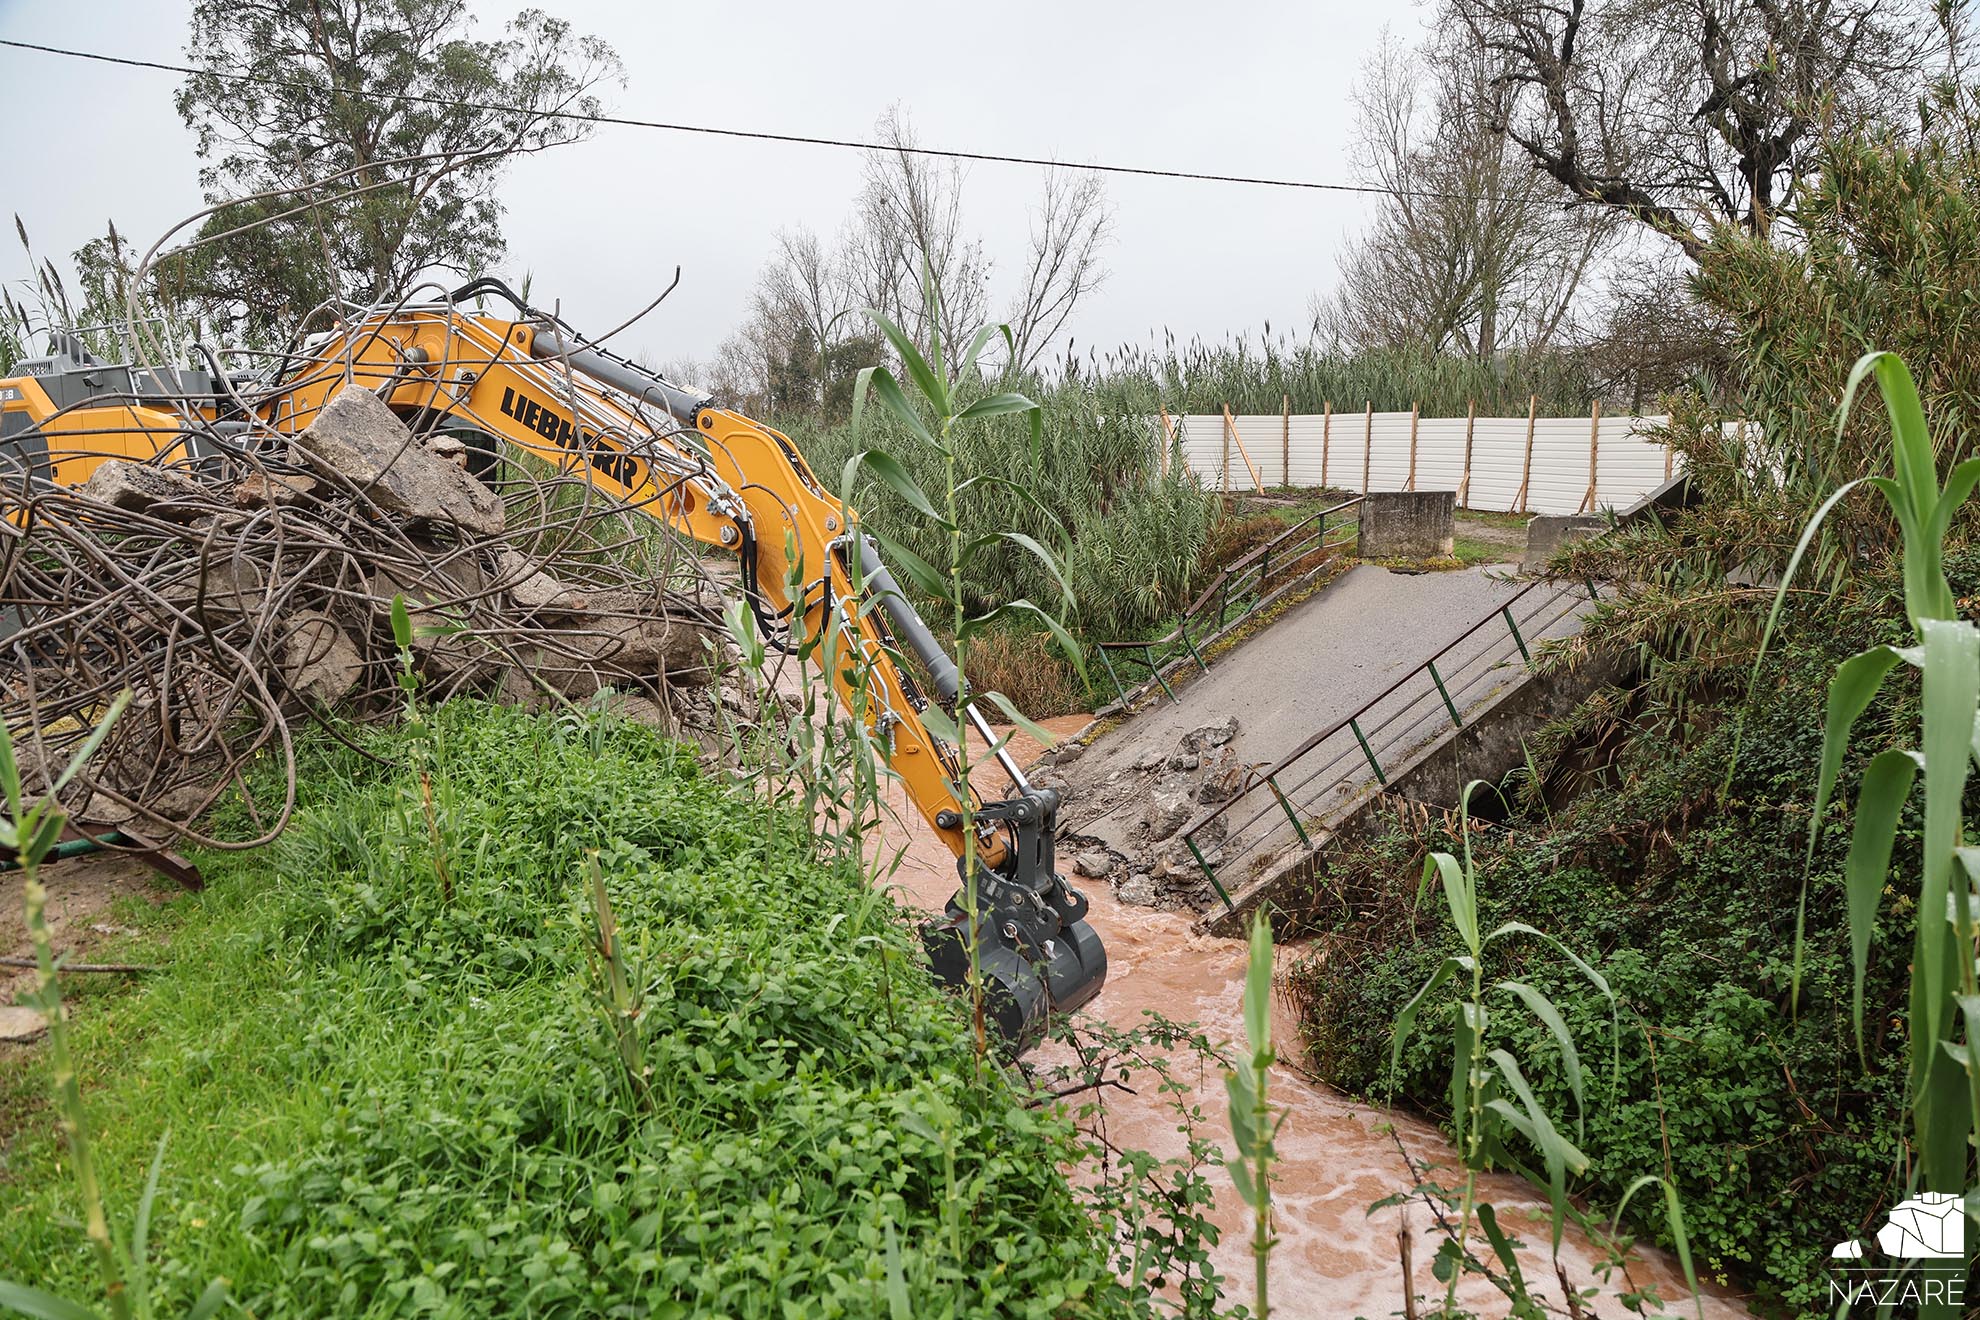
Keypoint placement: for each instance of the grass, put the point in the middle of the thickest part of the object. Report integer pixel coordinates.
(386, 1100)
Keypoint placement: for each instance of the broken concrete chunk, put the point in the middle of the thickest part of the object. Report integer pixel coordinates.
(533, 589)
(1223, 776)
(146, 488)
(1183, 761)
(1138, 890)
(1094, 864)
(1151, 759)
(1211, 735)
(320, 662)
(259, 490)
(358, 438)
(1167, 811)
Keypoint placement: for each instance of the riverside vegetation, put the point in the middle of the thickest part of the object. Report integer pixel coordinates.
(1793, 967)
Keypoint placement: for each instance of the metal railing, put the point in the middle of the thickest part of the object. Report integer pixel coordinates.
(1295, 555)
(1295, 799)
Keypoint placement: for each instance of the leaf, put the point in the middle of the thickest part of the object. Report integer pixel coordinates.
(972, 627)
(995, 405)
(888, 468)
(1044, 557)
(1952, 688)
(925, 575)
(1674, 1216)
(977, 347)
(1025, 494)
(924, 376)
(141, 1221)
(882, 383)
(941, 724)
(898, 1307)
(1543, 1008)
(1488, 1219)
(1886, 784)
(95, 739)
(39, 1305)
(209, 1302)
(1594, 978)
(1559, 1154)
(10, 774)
(1258, 988)
(1457, 896)
(1043, 735)
(1406, 1020)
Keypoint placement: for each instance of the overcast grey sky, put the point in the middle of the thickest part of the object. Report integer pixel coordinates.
(1246, 88)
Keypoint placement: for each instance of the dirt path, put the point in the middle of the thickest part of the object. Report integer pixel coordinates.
(1335, 1260)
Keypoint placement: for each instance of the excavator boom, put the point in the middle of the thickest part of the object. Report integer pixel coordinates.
(529, 383)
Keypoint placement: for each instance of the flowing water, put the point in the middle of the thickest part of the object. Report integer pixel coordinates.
(1337, 1156)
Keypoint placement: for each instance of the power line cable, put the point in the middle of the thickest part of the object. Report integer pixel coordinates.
(799, 139)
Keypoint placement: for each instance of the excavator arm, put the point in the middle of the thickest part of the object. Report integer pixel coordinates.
(806, 570)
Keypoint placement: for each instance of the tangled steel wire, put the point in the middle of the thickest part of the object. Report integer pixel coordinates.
(239, 584)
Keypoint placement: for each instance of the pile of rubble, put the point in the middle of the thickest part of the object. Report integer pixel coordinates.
(1126, 827)
(237, 596)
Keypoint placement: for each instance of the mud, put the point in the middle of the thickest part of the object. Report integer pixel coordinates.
(1338, 1157)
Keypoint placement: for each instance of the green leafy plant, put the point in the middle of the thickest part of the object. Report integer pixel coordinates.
(30, 831)
(960, 549)
(1254, 1125)
(1495, 1110)
(1943, 1088)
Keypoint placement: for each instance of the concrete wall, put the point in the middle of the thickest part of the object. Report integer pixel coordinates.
(1414, 524)
(1550, 531)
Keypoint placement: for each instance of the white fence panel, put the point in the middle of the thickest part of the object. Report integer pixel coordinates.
(1541, 466)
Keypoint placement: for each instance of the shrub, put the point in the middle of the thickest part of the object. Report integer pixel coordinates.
(398, 1096)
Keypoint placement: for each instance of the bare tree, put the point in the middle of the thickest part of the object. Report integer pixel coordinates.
(909, 219)
(804, 289)
(1472, 252)
(1068, 229)
(1691, 114)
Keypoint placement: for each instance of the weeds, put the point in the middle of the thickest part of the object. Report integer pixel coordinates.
(1254, 1126)
(1491, 1100)
(30, 832)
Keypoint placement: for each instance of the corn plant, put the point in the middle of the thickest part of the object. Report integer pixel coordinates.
(1495, 1113)
(1943, 1091)
(949, 582)
(30, 831)
(1254, 1127)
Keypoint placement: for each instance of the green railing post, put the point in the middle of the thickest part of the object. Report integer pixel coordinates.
(1291, 815)
(1368, 752)
(1182, 628)
(1444, 692)
(1118, 689)
(1210, 873)
(1155, 668)
(1518, 641)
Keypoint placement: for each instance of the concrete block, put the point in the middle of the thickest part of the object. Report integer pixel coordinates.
(1550, 531)
(1407, 524)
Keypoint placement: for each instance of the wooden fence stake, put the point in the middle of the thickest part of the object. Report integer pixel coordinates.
(1470, 426)
(1285, 441)
(1168, 439)
(1227, 449)
(1412, 447)
(1326, 439)
(1526, 470)
(1594, 450)
(1230, 434)
(1668, 455)
(1367, 444)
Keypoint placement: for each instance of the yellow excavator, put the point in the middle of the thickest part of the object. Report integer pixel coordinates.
(528, 381)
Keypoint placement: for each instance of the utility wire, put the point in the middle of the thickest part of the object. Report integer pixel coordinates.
(797, 138)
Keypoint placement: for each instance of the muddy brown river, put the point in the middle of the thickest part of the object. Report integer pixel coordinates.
(1337, 1156)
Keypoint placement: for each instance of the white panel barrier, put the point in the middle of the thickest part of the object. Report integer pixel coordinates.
(1515, 464)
